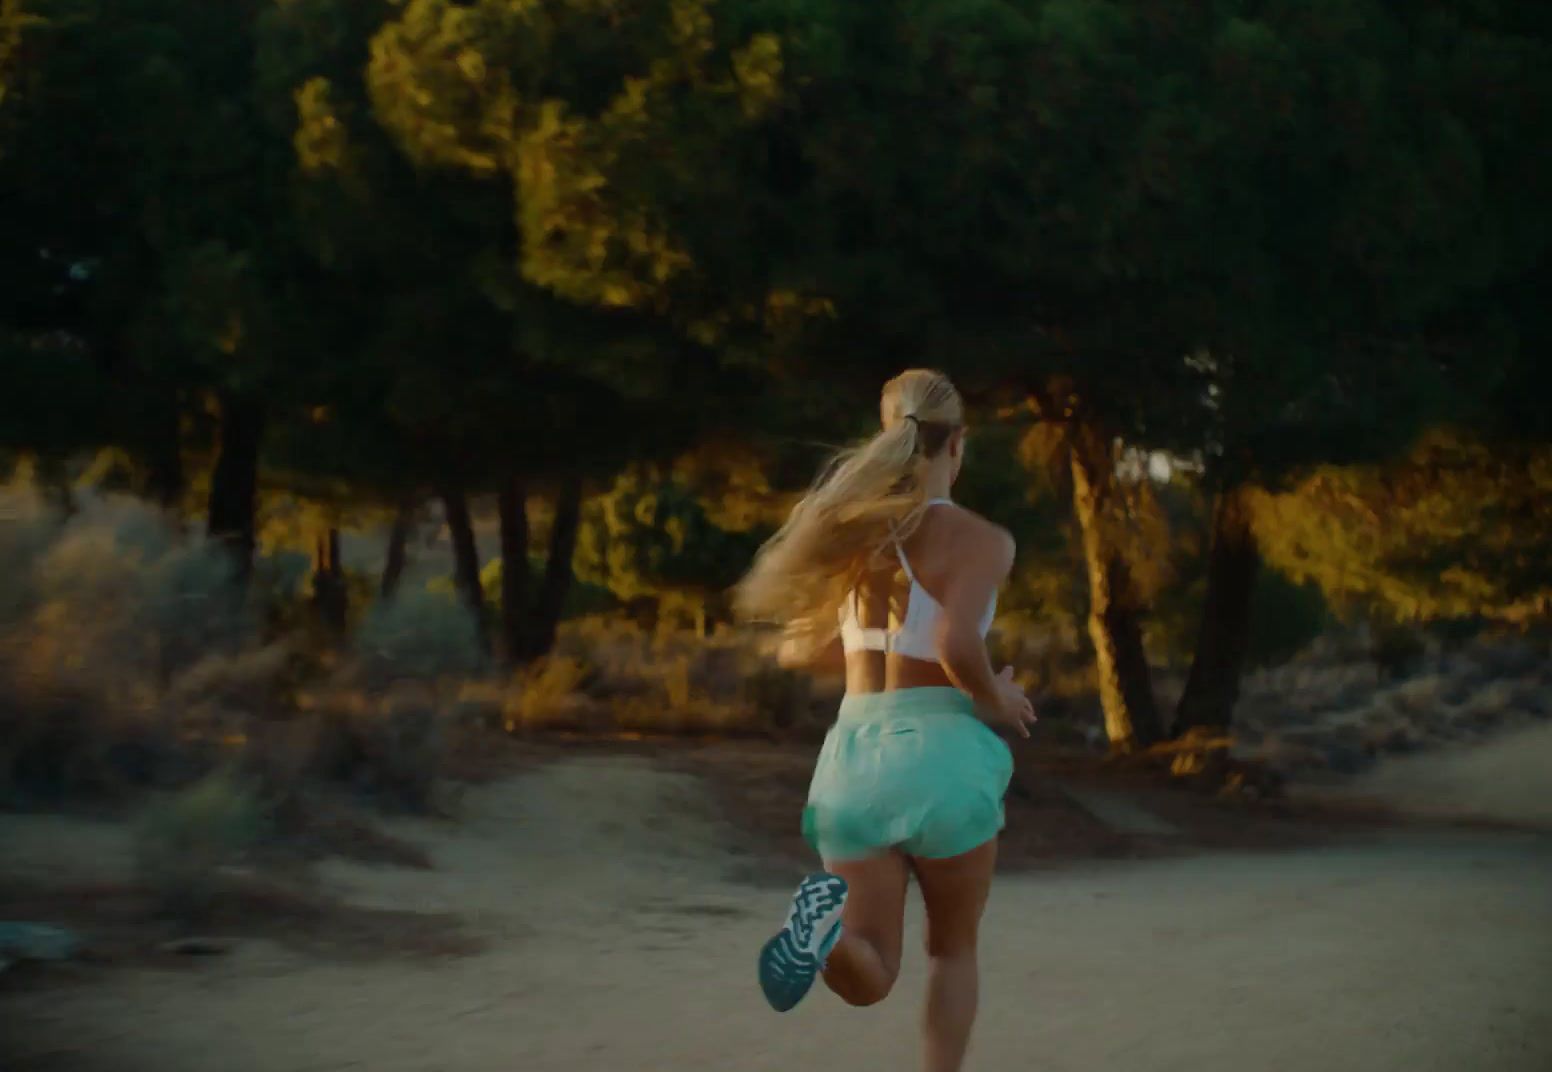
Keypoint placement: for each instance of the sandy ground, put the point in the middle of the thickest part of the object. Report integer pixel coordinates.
(1508, 777)
(620, 926)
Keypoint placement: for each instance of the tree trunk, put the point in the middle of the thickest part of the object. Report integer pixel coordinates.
(466, 557)
(235, 483)
(164, 458)
(398, 547)
(331, 598)
(557, 567)
(512, 506)
(1212, 688)
(1125, 683)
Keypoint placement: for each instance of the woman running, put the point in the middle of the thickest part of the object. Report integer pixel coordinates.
(878, 569)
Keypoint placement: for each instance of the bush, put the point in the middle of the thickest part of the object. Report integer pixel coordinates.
(550, 694)
(101, 614)
(113, 599)
(27, 527)
(194, 606)
(1397, 650)
(401, 751)
(417, 636)
(391, 747)
(778, 698)
(611, 675)
(277, 590)
(187, 843)
(52, 741)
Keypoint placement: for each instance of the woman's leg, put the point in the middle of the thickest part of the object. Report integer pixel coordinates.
(955, 892)
(865, 962)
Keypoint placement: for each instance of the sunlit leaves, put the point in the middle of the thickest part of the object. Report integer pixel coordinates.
(14, 19)
(1454, 530)
(758, 70)
(548, 96)
(654, 536)
(321, 139)
(433, 89)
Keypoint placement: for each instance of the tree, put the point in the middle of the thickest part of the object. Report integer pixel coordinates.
(1146, 219)
(171, 258)
(418, 179)
(1374, 306)
(655, 537)
(926, 183)
(1455, 530)
(13, 21)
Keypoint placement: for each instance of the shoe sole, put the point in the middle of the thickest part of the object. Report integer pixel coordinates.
(789, 964)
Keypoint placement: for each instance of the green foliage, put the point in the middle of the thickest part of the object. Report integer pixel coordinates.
(652, 537)
(1285, 618)
(13, 20)
(1456, 529)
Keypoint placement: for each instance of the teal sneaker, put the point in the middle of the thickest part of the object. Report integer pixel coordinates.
(793, 959)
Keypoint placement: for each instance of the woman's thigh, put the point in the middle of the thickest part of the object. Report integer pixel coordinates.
(955, 891)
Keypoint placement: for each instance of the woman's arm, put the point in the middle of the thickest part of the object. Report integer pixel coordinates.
(983, 555)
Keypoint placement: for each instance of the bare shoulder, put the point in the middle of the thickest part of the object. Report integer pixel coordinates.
(962, 534)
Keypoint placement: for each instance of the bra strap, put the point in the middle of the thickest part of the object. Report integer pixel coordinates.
(905, 564)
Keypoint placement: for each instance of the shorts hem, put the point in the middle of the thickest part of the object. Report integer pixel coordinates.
(960, 846)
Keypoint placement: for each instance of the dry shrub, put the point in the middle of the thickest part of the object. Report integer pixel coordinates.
(128, 656)
(416, 636)
(612, 676)
(390, 747)
(1307, 686)
(254, 681)
(380, 723)
(1424, 695)
(1500, 657)
(187, 844)
(101, 615)
(549, 695)
(53, 741)
(781, 699)
(1497, 703)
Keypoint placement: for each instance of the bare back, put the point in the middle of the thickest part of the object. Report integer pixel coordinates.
(941, 554)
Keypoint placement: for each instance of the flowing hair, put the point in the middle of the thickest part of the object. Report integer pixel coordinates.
(866, 499)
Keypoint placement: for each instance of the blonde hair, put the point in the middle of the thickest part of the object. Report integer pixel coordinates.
(866, 499)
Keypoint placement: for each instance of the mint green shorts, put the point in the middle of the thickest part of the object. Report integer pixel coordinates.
(913, 770)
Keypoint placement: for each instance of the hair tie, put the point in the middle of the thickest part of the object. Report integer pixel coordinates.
(913, 419)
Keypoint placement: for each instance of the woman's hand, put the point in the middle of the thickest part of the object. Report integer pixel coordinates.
(1009, 708)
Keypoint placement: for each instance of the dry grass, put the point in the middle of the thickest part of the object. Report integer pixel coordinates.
(609, 677)
(119, 641)
(1335, 710)
(130, 666)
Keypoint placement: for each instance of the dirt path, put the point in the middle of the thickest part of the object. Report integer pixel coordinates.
(619, 937)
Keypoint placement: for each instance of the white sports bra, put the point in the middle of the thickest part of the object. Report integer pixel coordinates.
(917, 636)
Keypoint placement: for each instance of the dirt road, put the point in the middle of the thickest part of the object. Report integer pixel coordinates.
(618, 937)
